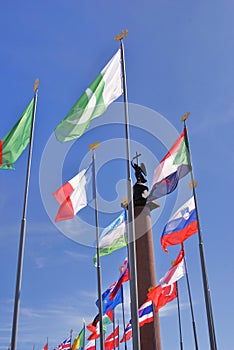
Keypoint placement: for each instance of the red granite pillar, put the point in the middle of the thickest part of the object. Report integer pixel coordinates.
(146, 274)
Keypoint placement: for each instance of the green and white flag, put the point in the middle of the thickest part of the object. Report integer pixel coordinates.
(105, 89)
(16, 140)
(113, 237)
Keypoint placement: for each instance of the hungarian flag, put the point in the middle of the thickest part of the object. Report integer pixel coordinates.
(66, 345)
(124, 277)
(16, 140)
(79, 341)
(175, 272)
(112, 341)
(74, 195)
(162, 295)
(174, 166)
(113, 237)
(181, 225)
(91, 345)
(105, 89)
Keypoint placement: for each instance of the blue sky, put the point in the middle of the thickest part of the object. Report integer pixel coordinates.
(179, 58)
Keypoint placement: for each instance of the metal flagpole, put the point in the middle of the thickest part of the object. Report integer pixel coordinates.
(114, 326)
(131, 226)
(178, 307)
(23, 228)
(124, 324)
(191, 305)
(206, 288)
(92, 148)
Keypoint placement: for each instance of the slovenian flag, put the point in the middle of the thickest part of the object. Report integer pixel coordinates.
(172, 168)
(74, 195)
(181, 225)
(145, 314)
(105, 89)
(113, 237)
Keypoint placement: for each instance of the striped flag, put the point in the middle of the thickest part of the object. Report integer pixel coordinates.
(65, 345)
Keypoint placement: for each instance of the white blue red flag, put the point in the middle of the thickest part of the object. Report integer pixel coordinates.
(181, 225)
(66, 345)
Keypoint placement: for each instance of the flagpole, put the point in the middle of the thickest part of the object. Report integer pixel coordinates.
(191, 304)
(131, 226)
(206, 288)
(179, 319)
(124, 324)
(84, 335)
(114, 326)
(92, 148)
(23, 228)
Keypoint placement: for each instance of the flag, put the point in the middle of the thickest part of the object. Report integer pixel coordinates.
(124, 277)
(162, 295)
(46, 347)
(16, 140)
(66, 345)
(145, 315)
(94, 327)
(112, 341)
(109, 304)
(91, 345)
(181, 225)
(175, 272)
(113, 237)
(79, 341)
(73, 195)
(105, 89)
(172, 168)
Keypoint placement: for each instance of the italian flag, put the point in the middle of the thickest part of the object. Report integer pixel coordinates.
(105, 89)
(16, 140)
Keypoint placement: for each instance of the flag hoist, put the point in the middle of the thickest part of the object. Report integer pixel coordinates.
(23, 226)
(206, 288)
(131, 227)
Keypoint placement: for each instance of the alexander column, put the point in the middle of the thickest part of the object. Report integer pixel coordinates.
(146, 272)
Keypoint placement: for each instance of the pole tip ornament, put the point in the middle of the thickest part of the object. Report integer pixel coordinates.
(121, 35)
(185, 116)
(193, 185)
(124, 203)
(94, 145)
(36, 84)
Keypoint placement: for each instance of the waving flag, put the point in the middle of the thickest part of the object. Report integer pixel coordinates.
(109, 304)
(66, 345)
(105, 89)
(124, 277)
(175, 272)
(46, 346)
(79, 341)
(113, 237)
(181, 225)
(91, 345)
(16, 140)
(145, 314)
(74, 195)
(172, 168)
(162, 295)
(112, 341)
(94, 327)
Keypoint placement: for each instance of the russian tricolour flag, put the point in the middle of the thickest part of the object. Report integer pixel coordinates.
(181, 225)
(174, 166)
